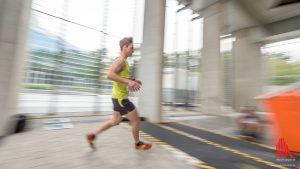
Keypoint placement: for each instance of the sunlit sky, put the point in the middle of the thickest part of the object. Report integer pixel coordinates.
(290, 48)
(125, 18)
(119, 21)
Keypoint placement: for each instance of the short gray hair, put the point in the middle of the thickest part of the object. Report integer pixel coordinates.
(125, 42)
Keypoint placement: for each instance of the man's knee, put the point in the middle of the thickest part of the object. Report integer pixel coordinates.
(135, 121)
(116, 121)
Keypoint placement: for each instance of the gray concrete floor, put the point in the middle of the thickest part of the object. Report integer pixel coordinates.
(67, 148)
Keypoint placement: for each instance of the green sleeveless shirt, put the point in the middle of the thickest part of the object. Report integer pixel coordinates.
(119, 90)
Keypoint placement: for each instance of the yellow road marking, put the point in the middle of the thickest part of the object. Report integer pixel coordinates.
(188, 157)
(221, 146)
(200, 128)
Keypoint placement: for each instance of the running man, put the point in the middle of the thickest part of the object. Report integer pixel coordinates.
(119, 73)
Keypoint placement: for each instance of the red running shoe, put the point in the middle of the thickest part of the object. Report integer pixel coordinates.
(91, 140)
(143, 146)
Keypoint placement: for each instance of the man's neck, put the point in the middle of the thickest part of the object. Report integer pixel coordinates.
(124, 56)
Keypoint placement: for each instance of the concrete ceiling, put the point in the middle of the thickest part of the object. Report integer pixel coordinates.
(264, 11)
(272, 17)
(197, 5)
(268, 11)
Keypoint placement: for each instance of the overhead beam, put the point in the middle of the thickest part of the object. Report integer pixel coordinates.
(284, 26)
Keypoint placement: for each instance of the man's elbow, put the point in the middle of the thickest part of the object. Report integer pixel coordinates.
(108, 76)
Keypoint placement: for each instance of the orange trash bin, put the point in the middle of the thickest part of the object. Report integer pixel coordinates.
(285, 108)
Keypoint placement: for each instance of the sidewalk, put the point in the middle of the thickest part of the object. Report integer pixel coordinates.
(68, 149)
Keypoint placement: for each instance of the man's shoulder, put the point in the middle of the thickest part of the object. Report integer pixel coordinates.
(120, 60)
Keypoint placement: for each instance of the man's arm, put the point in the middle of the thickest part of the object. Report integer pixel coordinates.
(132, 78)
(138, 81)
(116, 67)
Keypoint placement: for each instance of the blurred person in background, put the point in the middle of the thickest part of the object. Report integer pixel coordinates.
(249, 123)
(119, 73)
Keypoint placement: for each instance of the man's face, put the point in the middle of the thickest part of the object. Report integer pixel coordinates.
(129, 49)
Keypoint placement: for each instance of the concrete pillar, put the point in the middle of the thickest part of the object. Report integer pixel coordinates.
(211, 70)
(14, 19)
(248, 69)
(151, 63)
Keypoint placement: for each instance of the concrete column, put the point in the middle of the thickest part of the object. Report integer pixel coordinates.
(14, 19)
(151, 63)
(248, 69)
(211, 69)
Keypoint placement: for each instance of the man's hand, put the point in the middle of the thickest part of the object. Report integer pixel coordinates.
(134, 85)
(138, 81)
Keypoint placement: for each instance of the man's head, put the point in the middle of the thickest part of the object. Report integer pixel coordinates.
(126, 46)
